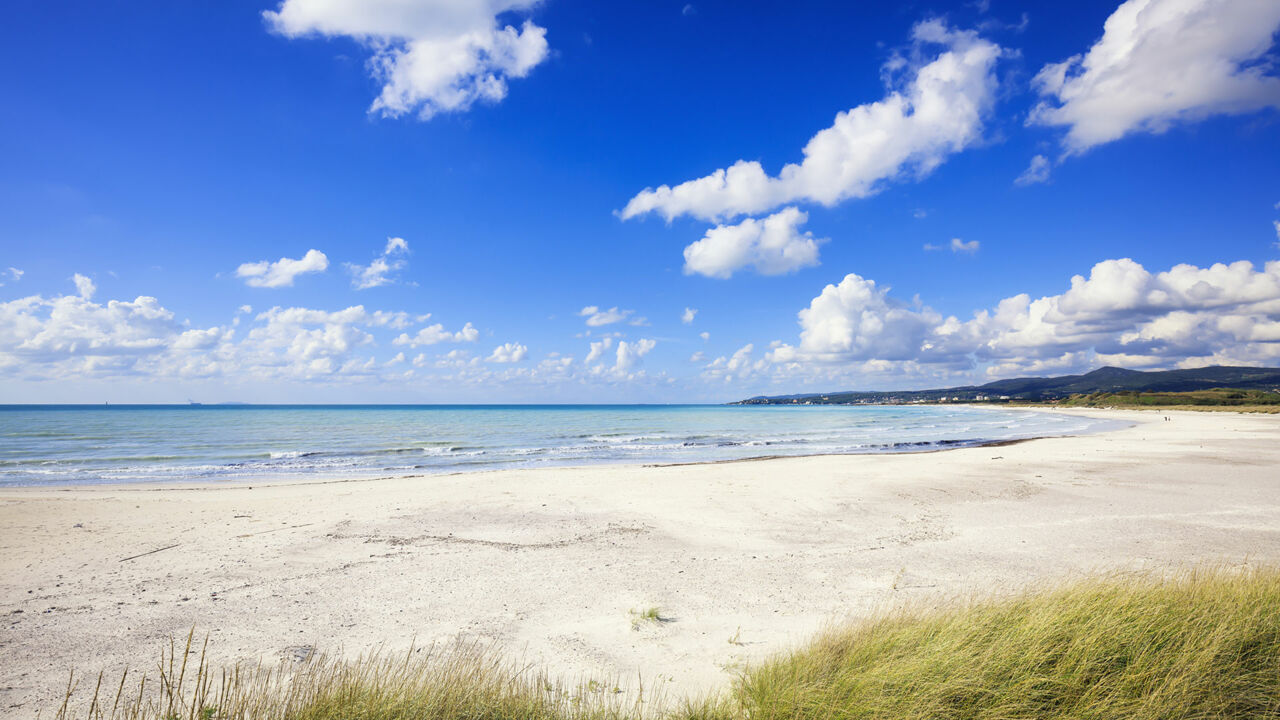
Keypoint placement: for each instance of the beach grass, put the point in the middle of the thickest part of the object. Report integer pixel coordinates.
(652, 615)
(1202, 643)
(463, 681)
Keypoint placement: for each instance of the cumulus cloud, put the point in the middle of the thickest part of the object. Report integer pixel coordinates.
(1036, 172)
(266, 274)
(378, 272)
(1121, 313)
(740, 365)
(73, 332)
(14, 273)
(84, 286)
(73, 336)
(629, 353)
(598, 349)
(303, 342)
(913, 129)
(1161, 62)
(688, 316)
(433, 334)
(597, 317)
(431, 57)
(508, 353)
(704, 335)
(626, 356)
(141, 341)
(772, 246)
(857, 320)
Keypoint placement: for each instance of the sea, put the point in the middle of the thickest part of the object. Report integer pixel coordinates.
(80, 445)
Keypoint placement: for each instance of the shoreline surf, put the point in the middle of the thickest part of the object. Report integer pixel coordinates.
(143, 447)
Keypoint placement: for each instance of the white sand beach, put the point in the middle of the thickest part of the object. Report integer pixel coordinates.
(548, 563)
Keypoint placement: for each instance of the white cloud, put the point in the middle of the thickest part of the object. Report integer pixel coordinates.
(857, 320)
(1160, 62)
(772, 246)
(597, 317)
(704, 335)
(14, 273)
(598, 349)
(77, 339)
(376, 273)
(1185, 316)
(433, 334)
(73, 330)
(396, 320)
(909, 132)
(629, 354)
(738, 366)
(302, 342)
(432, 57)
(956, 246)
(688, 316)
(508, 353)
(1036, 172)
(1117, 313)
(72, 336)
(1277, 225)
(84, 286)
(626, 356)
(698, 357)
(266, 274)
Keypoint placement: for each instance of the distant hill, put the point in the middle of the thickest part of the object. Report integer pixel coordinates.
(1105, 379)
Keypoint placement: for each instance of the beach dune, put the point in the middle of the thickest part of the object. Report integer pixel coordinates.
(742, 559)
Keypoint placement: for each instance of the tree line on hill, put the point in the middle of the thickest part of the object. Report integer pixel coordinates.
(1263, 382)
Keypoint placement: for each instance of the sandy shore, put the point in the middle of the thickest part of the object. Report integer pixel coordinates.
(549, 562)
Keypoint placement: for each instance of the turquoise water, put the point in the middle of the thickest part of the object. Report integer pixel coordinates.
(95, 444)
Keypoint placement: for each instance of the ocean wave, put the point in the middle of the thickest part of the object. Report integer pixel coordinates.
(343, 443)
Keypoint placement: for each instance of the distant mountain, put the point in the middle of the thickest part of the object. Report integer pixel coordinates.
(1104, 379)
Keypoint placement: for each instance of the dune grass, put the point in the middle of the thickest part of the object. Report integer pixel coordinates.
(1200, 644)
(464, 681)
(1203, 644)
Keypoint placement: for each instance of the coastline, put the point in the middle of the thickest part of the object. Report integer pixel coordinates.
(547, 562)
(894, 448)
(269, 444)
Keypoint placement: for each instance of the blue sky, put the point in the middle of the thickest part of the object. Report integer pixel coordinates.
(160, 150)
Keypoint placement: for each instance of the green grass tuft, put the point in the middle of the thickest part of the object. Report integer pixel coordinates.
(1202, 644)
(648, 615)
